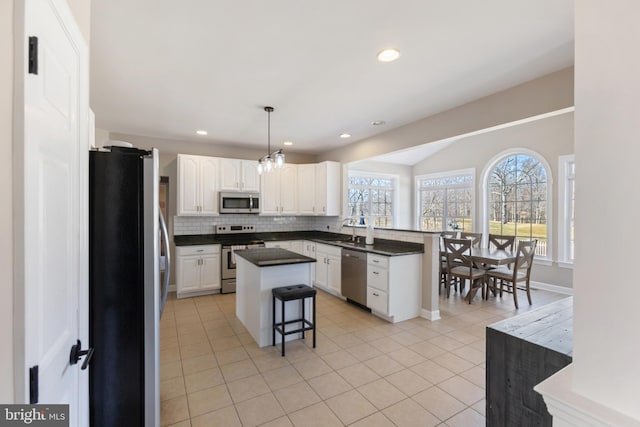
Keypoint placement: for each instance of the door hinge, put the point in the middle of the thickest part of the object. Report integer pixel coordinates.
(33, 55)
(33, 385)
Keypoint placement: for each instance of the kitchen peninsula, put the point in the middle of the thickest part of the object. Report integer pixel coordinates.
(258, 272)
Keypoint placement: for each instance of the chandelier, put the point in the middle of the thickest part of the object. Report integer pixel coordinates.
(271, 160)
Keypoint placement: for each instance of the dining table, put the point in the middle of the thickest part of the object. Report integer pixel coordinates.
(485, 258)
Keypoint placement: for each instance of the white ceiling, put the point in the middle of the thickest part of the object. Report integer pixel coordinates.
(167, 68)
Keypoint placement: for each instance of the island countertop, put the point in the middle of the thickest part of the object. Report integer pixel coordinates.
(269, 257)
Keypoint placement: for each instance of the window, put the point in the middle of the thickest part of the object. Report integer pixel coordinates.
(566, 167)
(517, 202)
(445, 201)
(372, 195)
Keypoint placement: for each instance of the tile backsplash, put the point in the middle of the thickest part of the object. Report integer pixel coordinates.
(206, 225)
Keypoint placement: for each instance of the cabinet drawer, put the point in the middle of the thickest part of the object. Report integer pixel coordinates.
(329, 249)
(379, 260)
(378, 278)
(377, 300)
(197, 250)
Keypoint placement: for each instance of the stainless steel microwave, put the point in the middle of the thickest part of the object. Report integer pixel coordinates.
(234, 202)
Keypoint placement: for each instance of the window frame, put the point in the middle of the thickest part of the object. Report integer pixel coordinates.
(484, 190)
(439, 175)
(368, 174)
(564, 210)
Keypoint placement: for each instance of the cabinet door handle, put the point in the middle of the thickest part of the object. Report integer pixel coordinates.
(376, 261)
(375, 295)
(200, 250)
(375, 272)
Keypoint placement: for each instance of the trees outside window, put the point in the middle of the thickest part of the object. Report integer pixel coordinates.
(372, 196)
(517, 199)
(445, 201)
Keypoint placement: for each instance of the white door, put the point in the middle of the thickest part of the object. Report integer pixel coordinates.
(210, 271)
(188, 190)
(54, 233)
(334, 272)
(208, 185)
(250, 176)
(188, 270)
(289, 189)
(306, 189)
(230, 174)
(270, 193)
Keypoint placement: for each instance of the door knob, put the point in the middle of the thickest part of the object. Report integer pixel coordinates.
(76, 354)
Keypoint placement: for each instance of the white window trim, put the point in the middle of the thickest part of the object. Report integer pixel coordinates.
(396, 195)
(484, 190)
(563, 212)
(446, 174)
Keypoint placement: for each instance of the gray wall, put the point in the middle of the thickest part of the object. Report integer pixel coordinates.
(550, 138)
(549, 93)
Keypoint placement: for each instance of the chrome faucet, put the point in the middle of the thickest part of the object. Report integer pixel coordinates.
(352, 222)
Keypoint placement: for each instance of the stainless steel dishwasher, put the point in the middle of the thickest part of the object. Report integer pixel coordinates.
(354, 276)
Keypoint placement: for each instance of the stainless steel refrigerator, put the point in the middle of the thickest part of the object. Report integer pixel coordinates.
(126, 297)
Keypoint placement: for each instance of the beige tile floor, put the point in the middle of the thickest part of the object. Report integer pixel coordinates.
(363, 372)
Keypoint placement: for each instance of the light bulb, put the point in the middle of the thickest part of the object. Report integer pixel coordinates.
(279, 160)
(268, 163)
(260, 168)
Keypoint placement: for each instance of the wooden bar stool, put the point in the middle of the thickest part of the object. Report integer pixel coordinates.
(292, 293)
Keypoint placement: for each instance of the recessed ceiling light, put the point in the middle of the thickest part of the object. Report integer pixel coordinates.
(388, 55)
(287, 143)
(201, 132)
(378, 122)
(345, 135)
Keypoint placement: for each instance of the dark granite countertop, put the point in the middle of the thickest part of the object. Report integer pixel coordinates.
(195, 239)
(269, 257)
(380, 246)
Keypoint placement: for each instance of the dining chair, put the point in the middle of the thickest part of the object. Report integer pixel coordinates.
(460, 267)
(521, 271)
(443, 259)
(476, 238)
(499, 241)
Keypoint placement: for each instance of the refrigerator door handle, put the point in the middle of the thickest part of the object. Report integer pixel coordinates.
(167, 268)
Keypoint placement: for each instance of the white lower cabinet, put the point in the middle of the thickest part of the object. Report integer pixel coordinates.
(296, 246)
(282, 244)
(197, 270)
(393, 286)
(309, 249)
(328, 268)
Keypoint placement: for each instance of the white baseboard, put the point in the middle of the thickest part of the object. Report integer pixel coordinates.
(552, 288)
(430, 315)
(173, 288)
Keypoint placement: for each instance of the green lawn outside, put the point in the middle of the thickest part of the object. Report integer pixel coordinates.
(539, 231)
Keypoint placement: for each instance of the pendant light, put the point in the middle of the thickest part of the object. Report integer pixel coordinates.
(271, 160)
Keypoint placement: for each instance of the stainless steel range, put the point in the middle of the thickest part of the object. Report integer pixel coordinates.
(233, 238)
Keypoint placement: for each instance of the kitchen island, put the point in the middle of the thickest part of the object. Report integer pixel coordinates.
(258, 272)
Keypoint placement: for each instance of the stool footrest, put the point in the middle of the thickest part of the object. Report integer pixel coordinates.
(279, 326)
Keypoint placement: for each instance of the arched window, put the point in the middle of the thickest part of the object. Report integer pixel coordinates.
(517, 197)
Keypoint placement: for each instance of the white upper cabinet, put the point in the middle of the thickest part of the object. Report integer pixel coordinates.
(306, 189)
(239, 175)
(197, 185)
(319, 189)
(279, 191)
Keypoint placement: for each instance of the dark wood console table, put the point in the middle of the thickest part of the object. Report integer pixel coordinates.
(521, 352)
